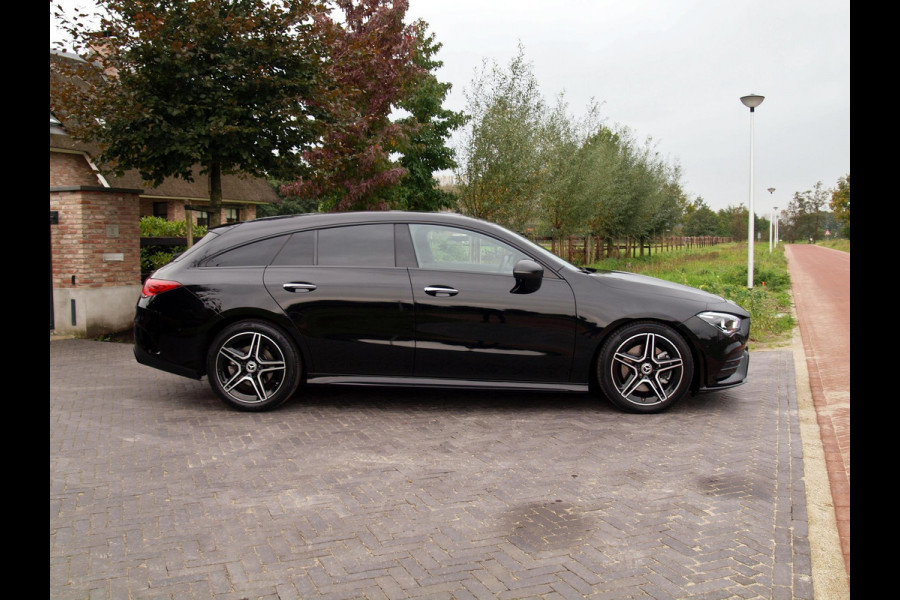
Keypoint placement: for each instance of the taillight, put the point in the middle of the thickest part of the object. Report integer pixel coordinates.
(157, 286)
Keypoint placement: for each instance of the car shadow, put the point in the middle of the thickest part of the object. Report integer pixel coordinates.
(469, 401)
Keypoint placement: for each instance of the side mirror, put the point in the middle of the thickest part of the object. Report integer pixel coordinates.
(528, 276)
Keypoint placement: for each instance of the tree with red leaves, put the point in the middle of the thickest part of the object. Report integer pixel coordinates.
(370, 68)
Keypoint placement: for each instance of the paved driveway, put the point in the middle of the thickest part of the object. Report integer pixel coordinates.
(158, 491)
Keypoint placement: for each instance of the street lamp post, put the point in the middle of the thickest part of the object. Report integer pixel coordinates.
(751, 101)
(771, 226)
(775, 219)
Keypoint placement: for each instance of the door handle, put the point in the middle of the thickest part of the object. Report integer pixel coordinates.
(440, 290)
(299, 287)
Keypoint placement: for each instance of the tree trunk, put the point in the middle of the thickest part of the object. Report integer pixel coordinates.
(215, 194)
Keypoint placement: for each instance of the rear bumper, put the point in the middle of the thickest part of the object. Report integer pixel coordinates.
(152, 360)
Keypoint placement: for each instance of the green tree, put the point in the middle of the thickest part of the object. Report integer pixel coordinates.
(565, 197)
(840, 204)
(231, 86)
(658, 193)
(733, 221)
(425, 150)
(805, 214)
(701, 220)
(606, 171)
(499, 170)
(636, 193)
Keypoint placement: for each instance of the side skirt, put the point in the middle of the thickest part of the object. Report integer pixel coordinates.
(444, 383)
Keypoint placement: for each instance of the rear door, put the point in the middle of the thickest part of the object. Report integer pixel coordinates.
(351, 304)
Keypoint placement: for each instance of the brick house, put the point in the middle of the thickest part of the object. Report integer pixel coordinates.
(95, 270)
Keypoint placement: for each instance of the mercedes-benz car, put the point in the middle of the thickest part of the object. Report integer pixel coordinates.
(261, 308)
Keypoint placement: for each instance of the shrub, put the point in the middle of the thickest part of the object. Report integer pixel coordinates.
(159, 227)
(154, 257)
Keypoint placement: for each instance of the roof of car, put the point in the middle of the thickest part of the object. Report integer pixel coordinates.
(286, 223)
(236, 234)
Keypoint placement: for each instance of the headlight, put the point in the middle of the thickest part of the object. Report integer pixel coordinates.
(724, 322)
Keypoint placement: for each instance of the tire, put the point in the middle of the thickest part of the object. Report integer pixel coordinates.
(645, 367)
(253, 366)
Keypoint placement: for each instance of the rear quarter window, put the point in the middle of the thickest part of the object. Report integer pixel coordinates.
(255, 254)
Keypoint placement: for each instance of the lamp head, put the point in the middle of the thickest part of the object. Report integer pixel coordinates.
(752, 101)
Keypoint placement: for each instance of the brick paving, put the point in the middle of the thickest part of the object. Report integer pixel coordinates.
(157, 491)
(820, 279)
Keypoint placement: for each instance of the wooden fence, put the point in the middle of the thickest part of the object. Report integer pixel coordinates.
(586, 250)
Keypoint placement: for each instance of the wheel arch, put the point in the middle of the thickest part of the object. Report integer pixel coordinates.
(281, 322)
(699, 371)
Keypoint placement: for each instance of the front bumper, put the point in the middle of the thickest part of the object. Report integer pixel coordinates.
(738, 368)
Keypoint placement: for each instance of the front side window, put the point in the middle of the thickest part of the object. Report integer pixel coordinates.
(450, 248)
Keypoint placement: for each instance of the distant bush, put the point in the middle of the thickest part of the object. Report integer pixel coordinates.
(154, 257)
(159, 227)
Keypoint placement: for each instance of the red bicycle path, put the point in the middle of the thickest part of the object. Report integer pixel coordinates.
(820, 283)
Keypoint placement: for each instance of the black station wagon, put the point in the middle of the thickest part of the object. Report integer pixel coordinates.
(426, 299)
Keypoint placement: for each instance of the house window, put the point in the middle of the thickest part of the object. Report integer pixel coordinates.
(161, 209)
(232, 215)
(202, 218)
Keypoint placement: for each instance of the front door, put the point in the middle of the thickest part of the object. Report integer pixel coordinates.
(470, 325)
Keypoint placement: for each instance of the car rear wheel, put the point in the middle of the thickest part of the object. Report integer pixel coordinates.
(645, 367)
(253, 366)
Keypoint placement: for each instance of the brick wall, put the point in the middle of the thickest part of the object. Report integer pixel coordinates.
(97, 239)
(70, 170)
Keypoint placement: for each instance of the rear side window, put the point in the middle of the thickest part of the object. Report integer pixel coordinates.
(300, 250)
(357, 246)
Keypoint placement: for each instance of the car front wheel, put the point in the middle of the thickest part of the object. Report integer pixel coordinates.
(645, 367)
(253, 366)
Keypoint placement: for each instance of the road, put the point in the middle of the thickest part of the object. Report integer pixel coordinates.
(820, 280)
(158, 491)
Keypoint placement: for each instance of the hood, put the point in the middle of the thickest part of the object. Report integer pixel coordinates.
(632, 281)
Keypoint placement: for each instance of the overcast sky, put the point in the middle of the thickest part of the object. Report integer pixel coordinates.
(674, 70)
